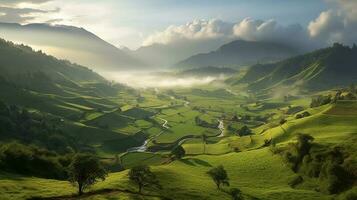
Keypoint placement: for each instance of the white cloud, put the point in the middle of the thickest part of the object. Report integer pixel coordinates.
(210, 31)
(336, 25)
(15, 12)
(270, 31)
(339, 24)
(327, 27)
(195, 30)
(16, 2)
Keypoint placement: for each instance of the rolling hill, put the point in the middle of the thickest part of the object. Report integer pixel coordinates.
(322, 69)
(239, 53)
(72, 43)
(22, 66)
(41, 83)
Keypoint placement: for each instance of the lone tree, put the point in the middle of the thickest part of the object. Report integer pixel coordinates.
(142, 176)
(178, 152)
(85, 170)
(236, 194)
(219, 176)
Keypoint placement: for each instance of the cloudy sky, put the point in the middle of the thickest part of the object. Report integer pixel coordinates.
(134, 23)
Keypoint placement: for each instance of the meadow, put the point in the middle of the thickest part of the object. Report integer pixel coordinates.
(167, 116)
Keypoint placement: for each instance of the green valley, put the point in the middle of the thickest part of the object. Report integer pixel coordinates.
(249, 110)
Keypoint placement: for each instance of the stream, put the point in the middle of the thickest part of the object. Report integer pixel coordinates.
(221, 128)
(144, 147)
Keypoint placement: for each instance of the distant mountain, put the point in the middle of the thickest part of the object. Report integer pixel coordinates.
(239, 53)
(166, 55)
(322, 69)
(72, 43)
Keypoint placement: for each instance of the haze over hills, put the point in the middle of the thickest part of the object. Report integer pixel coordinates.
(58, 91)
(321, 69)
(75, 44)
(166, 55)
(239, 53)
(22, 66)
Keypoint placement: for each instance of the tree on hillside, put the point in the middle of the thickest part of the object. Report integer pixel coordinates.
(178, 152)
(320, 101)
(142, 176)
(245, 130)
(282, 121)
(85, 170)
(303, 145)
(204, 141)
(219, 176)
(302, 148)
(235, 193)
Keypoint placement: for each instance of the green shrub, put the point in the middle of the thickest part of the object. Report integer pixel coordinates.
(31, 160)
(320, 100)
(244, 131)
(333, 178)
(178, 152)
(302, 115)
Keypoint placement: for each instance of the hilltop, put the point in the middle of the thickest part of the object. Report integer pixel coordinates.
(71, 43)
(319, 70)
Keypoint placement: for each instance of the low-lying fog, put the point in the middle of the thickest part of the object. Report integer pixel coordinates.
(158, 79)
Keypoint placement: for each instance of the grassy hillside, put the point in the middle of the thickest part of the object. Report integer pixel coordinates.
(318, 70)
(254, 136)
(257, 173)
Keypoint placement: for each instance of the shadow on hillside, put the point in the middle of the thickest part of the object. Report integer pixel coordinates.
(9, 176)
(195, 162)
(109, 192)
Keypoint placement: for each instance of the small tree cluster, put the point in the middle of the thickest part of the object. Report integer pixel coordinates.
(178, 152)
(244, 131)
(302, 115)
(320, 101)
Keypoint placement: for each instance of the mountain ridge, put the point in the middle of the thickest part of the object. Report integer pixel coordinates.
(321, 69)
(72, 43)
(239, 53)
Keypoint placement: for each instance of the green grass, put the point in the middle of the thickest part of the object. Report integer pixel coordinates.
(257, 173)
(131, 159)
(254, 170)
(143, 124)
(223, 146)
(324, 126)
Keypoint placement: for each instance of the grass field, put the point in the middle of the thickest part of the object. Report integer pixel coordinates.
(117, 123)
(258, 173)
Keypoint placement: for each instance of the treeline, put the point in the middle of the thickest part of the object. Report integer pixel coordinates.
(33, 161)
(332, 167)
(349, 93)
(203, 123)
(17, 123)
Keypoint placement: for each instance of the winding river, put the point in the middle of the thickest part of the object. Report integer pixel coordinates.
(221, 128)
(144, 146)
